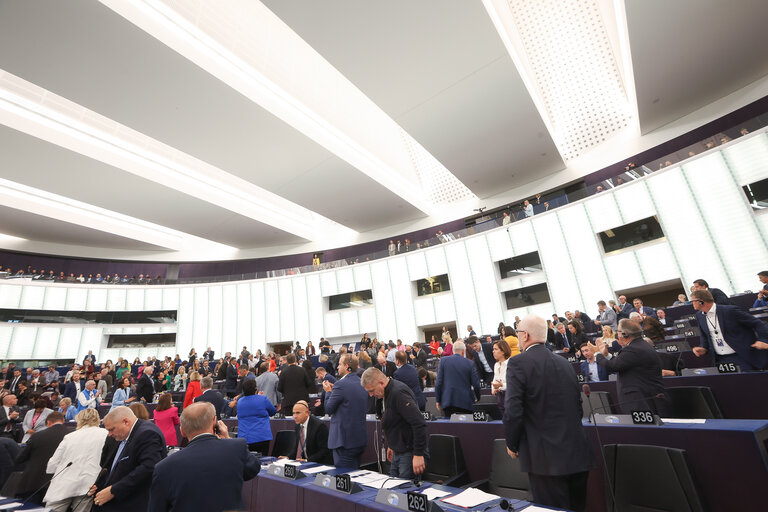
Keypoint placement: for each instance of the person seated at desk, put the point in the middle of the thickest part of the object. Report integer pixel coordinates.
(591, 371)
(311, 440)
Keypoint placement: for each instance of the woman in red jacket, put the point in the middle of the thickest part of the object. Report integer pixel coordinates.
(193, 389)
(166, 418)
(434, 345)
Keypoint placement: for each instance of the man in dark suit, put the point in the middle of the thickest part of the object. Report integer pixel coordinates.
(145, 387)
(91, 357)
(542, 421)
(718, 295)
(457, 382)
(12, 385)
(35, 455)
(128, 458)
(322, 376)
(311, 443)
(408, 375)
(733, 335)
(639, 383)
(74, 387)
(623, 308)
(643, 311)
(591, 371)
(482, 357)
(347, 402)
(418, 356)
(563, 338)
(209, 354)
(294, 384)
(386, 367)
(9, 416)
(231, 383)
(212, 396)
(652, 328)
(206, 475)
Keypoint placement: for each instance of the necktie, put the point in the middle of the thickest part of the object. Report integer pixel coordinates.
(300, 448)
(565, 341)
(117, 455)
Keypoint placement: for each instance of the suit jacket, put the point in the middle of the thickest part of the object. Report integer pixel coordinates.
(4, 419)
(213, 396)
(36, 453)
(231, 383)
(9, 384)
(388, 369)
(409, 376)
(347, 405)
(39, 426)
(145, 388)
(560, 343)
(542, 414)
(132, 474)
(639, 378)
(457, 383)
(482, 373)
(740, 330)
(645, 310)
(608, 317)
(295, 385)
(720, 297)
(420, 359)
(206, 475)
(624, 310)
(208, 354)
(315, 443)
(602, 373)
(71, 391)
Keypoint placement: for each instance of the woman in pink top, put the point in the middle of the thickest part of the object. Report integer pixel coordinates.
(166, 418)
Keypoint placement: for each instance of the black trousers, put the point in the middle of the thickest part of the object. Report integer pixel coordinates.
(562, 491)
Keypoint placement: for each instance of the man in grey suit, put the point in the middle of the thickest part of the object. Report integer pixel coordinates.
(542, 420)
(606, 316)
(266, 383)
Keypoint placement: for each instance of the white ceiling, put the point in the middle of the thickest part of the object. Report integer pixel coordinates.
(438, 68)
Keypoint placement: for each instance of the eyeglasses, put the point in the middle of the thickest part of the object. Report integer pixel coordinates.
(520, 330)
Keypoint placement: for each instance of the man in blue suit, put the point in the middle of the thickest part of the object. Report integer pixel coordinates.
(128, 459)
(591, 371)
(206, 475)
(231, 383)
(346, 401)
(457, 381)
(623, 308)
(732, 334)
(644, 311)
(408, 375)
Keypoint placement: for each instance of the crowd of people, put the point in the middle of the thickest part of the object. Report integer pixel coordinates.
(61, 277)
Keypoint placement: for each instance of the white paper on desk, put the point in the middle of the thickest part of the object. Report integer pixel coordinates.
(433, 494)
(283, 462)
(13, 504)
(684, 420)
(536, 508)
(386, 483)
(470, 498)
(369, 478)
(316, 469)
(359, 472)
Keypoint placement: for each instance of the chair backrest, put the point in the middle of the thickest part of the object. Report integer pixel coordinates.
(492, 410)
(446, 460)
(505, 478)
(432, 407)
(487, 399)
(671, 488)
(694, 402)
(601, 403)
(284, 441)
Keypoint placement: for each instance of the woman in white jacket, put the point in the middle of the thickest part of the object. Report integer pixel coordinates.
(81, 449)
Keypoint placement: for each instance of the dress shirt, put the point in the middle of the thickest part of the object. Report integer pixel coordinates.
(716, 333)
(483, 360)
(593, 375)
(303, 433)
(9, 425)
(500, 373)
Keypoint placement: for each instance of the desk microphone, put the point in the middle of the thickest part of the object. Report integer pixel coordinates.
(46, 483)
(587, 391)
(503, 505)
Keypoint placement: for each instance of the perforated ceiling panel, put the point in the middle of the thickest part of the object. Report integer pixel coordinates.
(575, 70)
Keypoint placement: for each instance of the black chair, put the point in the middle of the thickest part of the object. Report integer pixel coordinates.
(505, 478)
(284, 441)
(694, 402)
(492, 410)
(11, 485)
(601, 403)
(672, 487)
(446, 464)
(487, 399)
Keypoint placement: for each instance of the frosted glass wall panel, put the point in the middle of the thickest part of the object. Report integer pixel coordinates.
(403, 295)
(32, 297)
(117, 299)
(634, 202)
(445, 310)
(69, 343)
(485, 282)
(258, 313)
(153, 299)
(513, 283)
(6, 333)
(362, 275)
(215, 338)
(332, 325)
(686, 234)
(657, 263)
(134, 301)
(55, 297)
(170, 298)
(77, 298)
(425, 311)
(300, 309)
(200, 319)
(523, 237)
(349, 325)
(185, 320)
(97, 299)
(22, 343)
(272, 309)
(624, 270)
(462, 286)
(543, 310)
(92, 339)
(417, 266)
(315, 306)
(366, 318)
(500, 244)
(328, 283)
(47, 342)
(383, 301)
(285, 290)
(556, 260)
(603, 212)
(10, 295)
(436, 264)
(748, 159)
(585, 258)
(730, 222)
(345, 280)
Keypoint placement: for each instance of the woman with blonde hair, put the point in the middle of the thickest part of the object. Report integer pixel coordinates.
(193, 389)
(609, 337)
(180, 380)
(82, 450)
(139, 410)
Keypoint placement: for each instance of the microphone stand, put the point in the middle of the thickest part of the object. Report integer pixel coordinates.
(588, 391)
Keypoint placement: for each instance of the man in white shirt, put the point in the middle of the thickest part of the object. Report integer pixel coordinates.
(311, 436)
(88, 398)
(9, 417)
(528, 209)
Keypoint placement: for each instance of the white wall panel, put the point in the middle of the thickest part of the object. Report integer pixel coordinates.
(300, 309)
(634, 202)
(346, 280)
(328, 283)
(425, 311)
(272, 308)
(386, 322)
(624, 270)
(657, 263)
(513, 283)
(97, 299)
(445, 310)
(556, 261)
(436, 264)
(333, 325)
(500, 243)
(485, 284)
(315, 304)
(170, 298)
(258, 315)
(417, 266)
(200, 319)
(230, 319)
(76, 299)
(523, 237)
(403, 294)
(748, 159)
(32, 297)
(69, 343)
(366, 318)
(22, 343)
(603, 212)
(285, 291)
(462, 286)
(117, 299)
(46, 343)
(134, 301)
(55, 297)
(153, 299)
(362, 275)
(10, 295)
(349, 324)
(6, 334)
(185, 320)
(214, 329)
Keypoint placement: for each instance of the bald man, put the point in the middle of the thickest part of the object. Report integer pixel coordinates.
(311, 443)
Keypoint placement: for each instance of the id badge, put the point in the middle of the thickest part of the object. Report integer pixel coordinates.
(720, 342)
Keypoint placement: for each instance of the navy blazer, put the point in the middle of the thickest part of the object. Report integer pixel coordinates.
(70, 391)
(457, 382)
(347, 405)
(315, 443)
(740, 331)
(542, 414)
(231, 383)
(645, 311)
(602, 373)
(624, 310)
(409, 375)
(214, 397)
(484, 375)
(132, 474)
(206, 475)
